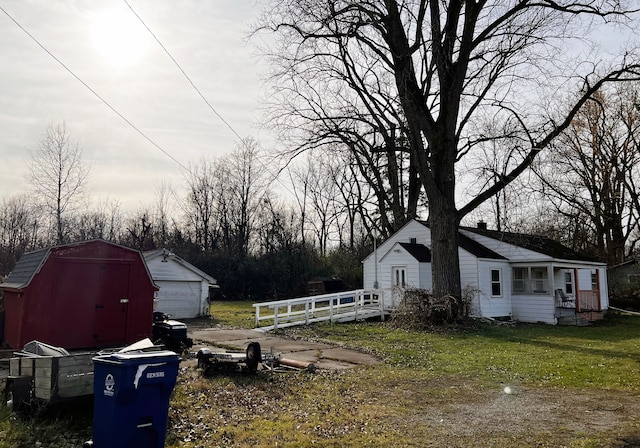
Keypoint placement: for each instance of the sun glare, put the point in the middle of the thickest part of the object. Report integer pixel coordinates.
(119, 37)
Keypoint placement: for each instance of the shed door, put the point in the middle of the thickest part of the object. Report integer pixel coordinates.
(71, 316)
(112, 303)
(179, 299)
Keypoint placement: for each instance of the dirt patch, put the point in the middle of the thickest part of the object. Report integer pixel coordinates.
(477, 417)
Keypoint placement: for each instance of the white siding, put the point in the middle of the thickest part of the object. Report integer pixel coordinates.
(468, 269)
(400, 259)
(183, 293)
(490, 306)
(413, 229)
(171, 270)
(476, 274)
(179, 299)
(533, 308)
(426, 280)
(604, 289)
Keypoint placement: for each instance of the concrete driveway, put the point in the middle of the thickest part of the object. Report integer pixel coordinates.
(323, 356)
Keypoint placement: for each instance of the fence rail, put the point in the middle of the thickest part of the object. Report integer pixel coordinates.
(344, 306)
(588, 300)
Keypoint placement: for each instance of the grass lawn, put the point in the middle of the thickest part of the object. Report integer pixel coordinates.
(481, 386)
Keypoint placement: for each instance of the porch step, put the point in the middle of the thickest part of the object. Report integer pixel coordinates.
(573, 320)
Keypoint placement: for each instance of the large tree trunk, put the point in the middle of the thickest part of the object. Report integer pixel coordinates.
(443, 222)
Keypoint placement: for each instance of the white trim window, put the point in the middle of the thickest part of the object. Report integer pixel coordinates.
(595, 283)
(568, 282)
(520, 278)
(530, 280)
(496, 283)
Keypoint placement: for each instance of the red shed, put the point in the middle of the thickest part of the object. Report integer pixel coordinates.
(88, 294)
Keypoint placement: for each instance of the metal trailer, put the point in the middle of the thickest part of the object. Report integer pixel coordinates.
(211, 362)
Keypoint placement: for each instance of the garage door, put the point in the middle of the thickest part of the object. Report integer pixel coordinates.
(179, 299)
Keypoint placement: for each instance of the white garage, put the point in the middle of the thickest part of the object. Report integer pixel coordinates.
(184, 289)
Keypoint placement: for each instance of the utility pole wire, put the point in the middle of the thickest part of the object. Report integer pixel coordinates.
(96, 94)
(182, 71)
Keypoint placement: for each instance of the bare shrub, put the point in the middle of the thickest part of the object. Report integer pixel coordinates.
(420, 309)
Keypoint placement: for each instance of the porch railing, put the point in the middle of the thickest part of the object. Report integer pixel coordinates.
(588, 300)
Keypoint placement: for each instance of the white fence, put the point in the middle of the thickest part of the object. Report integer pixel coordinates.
(344, 306)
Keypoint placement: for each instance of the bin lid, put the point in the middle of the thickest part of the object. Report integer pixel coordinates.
(138, 356)
(145, 354)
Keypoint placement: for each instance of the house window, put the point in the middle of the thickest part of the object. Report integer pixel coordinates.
(534, 280)
(568, 282)
(539, 280)
(594, 280)
(496, 283)
(519, 280)
(634, 279)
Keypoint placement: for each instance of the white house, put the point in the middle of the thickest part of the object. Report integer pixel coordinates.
(524, 277)
(184, 289)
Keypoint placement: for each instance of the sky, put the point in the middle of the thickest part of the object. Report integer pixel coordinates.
(109, 49)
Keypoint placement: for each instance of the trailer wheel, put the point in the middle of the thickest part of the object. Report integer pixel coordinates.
(17, 395)
(8, 396)
(14, 400)
(254, 356)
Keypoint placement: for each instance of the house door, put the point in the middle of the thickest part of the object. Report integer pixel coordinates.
(399, 276)
(112, 303)
(398, 283)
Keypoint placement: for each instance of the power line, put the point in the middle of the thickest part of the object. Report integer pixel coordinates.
(199, 92)
(182, 71)
(105, 102)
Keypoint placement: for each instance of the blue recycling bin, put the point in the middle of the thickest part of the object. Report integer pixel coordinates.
(131, 398)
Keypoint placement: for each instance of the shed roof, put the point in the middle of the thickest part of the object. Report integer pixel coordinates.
(24, 270)
(30, 263)
(163, 252)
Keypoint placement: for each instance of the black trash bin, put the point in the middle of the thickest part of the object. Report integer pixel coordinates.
(131, 398)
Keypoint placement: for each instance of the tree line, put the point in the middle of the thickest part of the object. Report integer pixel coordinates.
(228, 219)
(446, 110)
(232, 221)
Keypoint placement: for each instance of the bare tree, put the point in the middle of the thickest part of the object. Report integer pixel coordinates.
(104, 222)
(58, 175)
(140, 230)
(453, 63)
(19, 230)
(322, 192)
(593, 173)
(200, 205)
(241, 195)
(164, 209)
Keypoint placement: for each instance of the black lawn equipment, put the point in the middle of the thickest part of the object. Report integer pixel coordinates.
(170, 333)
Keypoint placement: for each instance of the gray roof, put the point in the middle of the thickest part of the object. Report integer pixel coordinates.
(151, 254)
(28, 265)
(418, 251)
(473, 247)
(536, 243)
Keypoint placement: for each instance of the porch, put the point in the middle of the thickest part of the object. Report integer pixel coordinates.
(580, 310)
